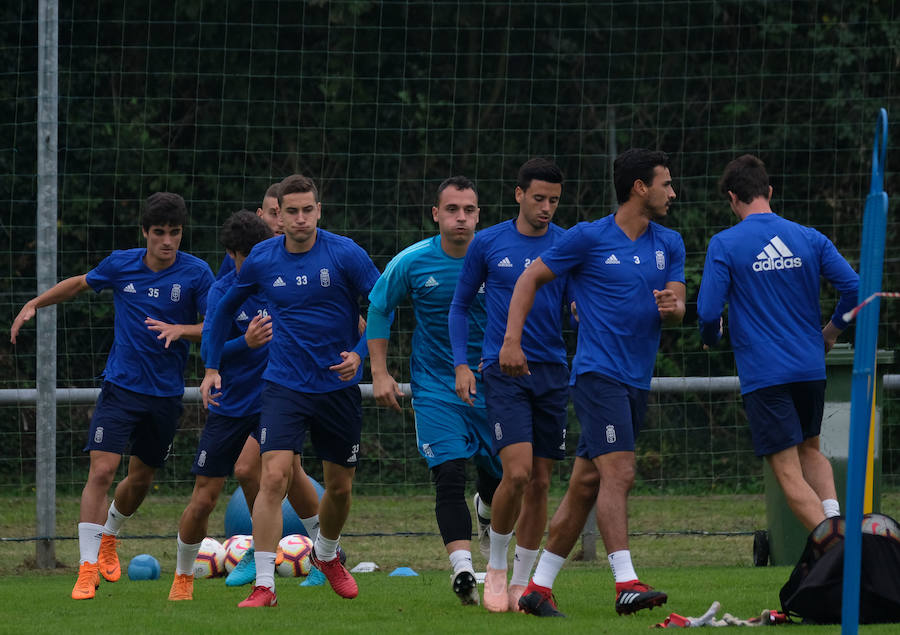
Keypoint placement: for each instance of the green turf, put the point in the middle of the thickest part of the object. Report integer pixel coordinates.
(422, 604)
(694, 569)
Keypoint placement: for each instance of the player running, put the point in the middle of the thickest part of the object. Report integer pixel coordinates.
(301, 494)
(767, 269)
(627, 272)
(158, 294)
(447, 431)
(527, 414)
(312, 280)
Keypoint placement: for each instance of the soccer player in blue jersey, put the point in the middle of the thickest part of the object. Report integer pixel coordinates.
(447, 431)
(312, 281)
(230, 424)
(767, 269)
(302, 495)
(527, 415)
(268, 213)
(627, 274)
(158, 293)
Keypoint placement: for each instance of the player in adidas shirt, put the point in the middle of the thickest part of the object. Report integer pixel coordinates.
(312, 281)
(527, 415)
(302, 495)
(767, 269)
(447, 431)
(158, 294)
(627, 274)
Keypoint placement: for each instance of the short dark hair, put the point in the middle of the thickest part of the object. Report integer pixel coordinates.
(242, 230)
(164, 208)
(459, 182)
(746, 176)
(538, 169)
(636, 164)
(296, 183)
(272, 191)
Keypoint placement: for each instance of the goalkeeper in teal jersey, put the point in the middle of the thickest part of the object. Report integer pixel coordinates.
(448, 431)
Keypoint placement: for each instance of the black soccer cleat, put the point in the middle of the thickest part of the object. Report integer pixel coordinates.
(536, 603)
(638, 596)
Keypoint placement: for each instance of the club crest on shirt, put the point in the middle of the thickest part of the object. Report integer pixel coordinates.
(175, 295)
(324, 278)
(660, 259)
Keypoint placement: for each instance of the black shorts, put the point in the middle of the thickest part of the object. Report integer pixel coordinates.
(783, 416)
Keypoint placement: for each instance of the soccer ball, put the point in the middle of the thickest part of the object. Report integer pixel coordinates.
(881, 525)
(297, 549)
(210, 562)
(235, 548)
(827, 535)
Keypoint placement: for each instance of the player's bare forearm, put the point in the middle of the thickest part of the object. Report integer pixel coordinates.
(60, 292)
(384, 388)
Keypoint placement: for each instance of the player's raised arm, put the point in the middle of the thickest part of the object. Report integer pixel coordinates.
(60, 292)
(512, 358)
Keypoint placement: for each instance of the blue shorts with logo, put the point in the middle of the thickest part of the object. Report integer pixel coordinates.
(529, 409)
(221, 443)
(783, 416)
(610, 412)
(148, 423)
(447, 431)
(334, 421)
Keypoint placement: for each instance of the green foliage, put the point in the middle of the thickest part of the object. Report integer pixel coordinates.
(381, 101)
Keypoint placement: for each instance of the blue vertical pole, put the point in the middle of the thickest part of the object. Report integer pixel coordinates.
(870, 270)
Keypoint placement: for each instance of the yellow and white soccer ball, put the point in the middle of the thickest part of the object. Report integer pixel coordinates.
(210, 562)
(235, 548)
(296, 549)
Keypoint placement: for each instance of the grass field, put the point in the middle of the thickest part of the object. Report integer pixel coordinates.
(693, 569)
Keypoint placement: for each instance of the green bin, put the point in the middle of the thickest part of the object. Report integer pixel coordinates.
(786, 536)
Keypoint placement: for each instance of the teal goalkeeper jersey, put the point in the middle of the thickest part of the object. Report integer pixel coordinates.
(426, 274)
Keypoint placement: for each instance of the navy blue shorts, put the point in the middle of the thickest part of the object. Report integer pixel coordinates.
(529, 409)
(447, 431)
(610, 412)
(221, 443)
(334, 421)
(148, 423)
(783, 416)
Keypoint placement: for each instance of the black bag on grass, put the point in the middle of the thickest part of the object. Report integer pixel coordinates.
(814, 592)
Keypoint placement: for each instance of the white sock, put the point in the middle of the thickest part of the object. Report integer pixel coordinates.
(522, 564)
(114, 520)
(311, 525)
(499, 550)
(89, 541)
(326, 548)
(187, 554)
(265, 569)
(483, 509)
(620, 563)
(461, 560)
(831, 508)
(547, 569)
